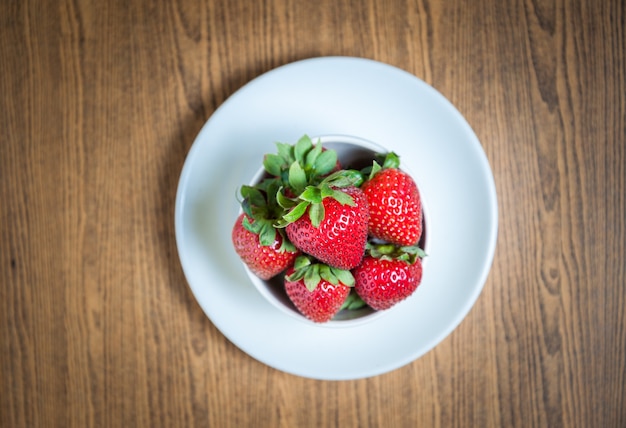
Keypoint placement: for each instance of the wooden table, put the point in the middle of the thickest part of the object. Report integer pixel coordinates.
(100, 103)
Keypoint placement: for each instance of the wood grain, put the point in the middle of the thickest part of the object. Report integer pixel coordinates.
(100, 104)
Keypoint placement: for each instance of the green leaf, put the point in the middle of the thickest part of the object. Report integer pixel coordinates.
(326, 162)
(413, 253)
(286, 244)
(335, 175)
(312, 156)
(272, 190)
(312, 277)
(245, 191)
(375, 168)
(251, 227)
(343, 178)
(353, 302)
(344, 276)
(267, 235)
(301, 262)
(312, 194)
(302, 147)
(284, 201)
(245, 206)
(365, 172)
(284, 176)
(326, 190)
(281, 223)
(343, 198)
(285, 151)
(316, 214)
(341, 182)
(405, 257)
(392, 160)
(273, 164)
(297, 178)
(267, 184)
(385, 249)
(354, 177)
(415, 250)
(296, 275)
(327, 274)
(408, 254)
(297, 212)
(254, 196)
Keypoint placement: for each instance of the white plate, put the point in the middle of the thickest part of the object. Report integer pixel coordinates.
(351, 96)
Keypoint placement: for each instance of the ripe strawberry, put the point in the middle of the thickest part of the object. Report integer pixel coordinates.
(395, 205)
(388, 275)
(265, 261)
(263, 248)
(317, 290)
(334, 229)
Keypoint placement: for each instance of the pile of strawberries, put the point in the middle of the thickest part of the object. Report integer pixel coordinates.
(343, 238)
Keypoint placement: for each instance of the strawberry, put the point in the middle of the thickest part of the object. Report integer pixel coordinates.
(317, 290)
(263, 248)
(395, 205)
(329, 221)
(388, 275)
(265, 261)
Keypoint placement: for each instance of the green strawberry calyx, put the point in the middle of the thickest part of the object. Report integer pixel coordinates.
(389, 160)
(312, 197)
(386, 251)
(353, 302)
(261, 212)
(313, 272)
(301, 164)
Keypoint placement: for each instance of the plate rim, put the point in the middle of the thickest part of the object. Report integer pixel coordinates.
(491, 192)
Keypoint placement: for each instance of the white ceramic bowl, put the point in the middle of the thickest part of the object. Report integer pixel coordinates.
(355, 153)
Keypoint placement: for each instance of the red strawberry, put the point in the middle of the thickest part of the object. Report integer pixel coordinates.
(265, 261)
(261, 246)
(317, 290)
(388, 275)
(395, 205)
(334, 229)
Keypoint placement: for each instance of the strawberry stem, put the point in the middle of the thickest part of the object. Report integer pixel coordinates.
(386, 251)
(313, 272)
(262, 210)
(312, 197)
(300, 164)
